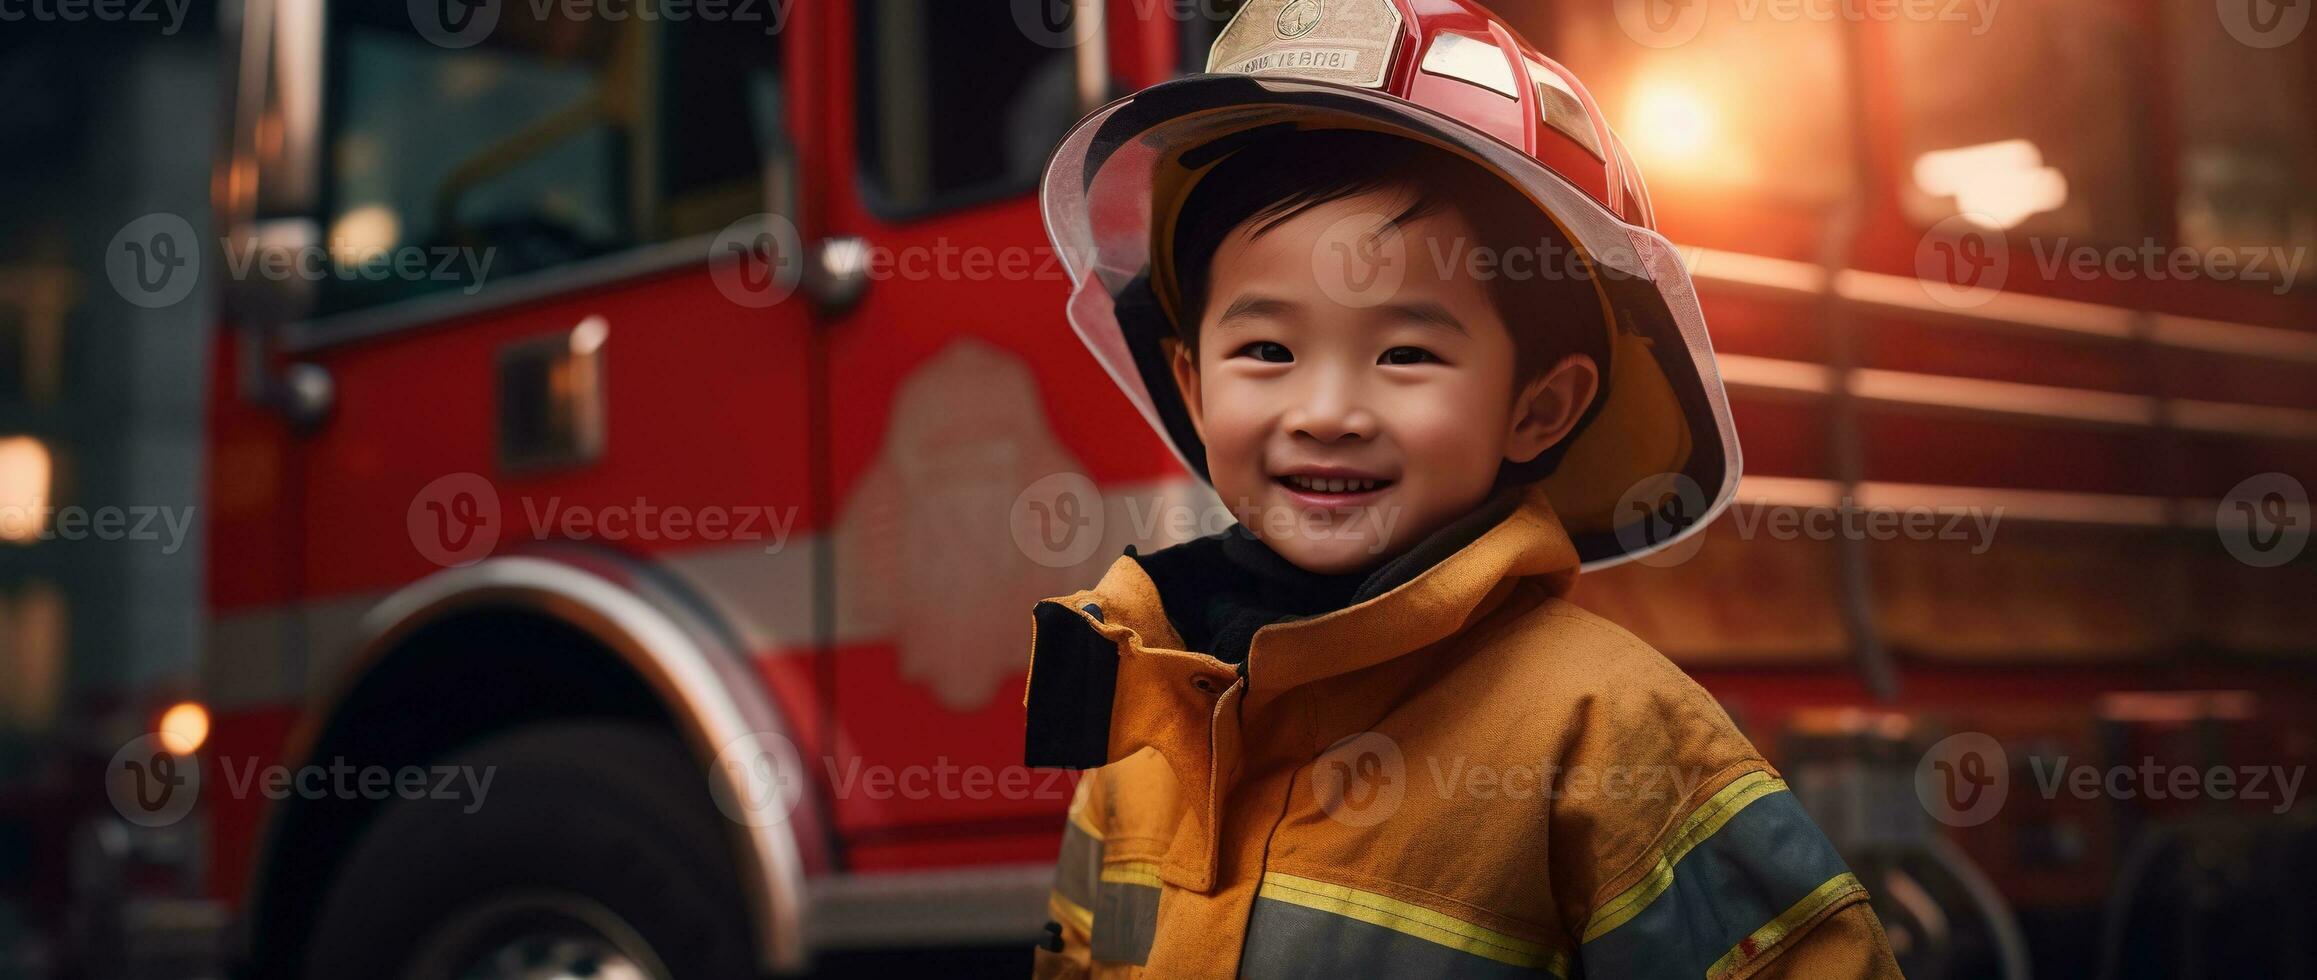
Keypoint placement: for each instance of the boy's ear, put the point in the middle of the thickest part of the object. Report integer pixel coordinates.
(1186, 368)
(1545, 410)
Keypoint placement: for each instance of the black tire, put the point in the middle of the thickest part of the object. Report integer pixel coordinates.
(581, 820)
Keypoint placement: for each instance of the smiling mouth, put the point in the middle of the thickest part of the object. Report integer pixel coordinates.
(1325, 486)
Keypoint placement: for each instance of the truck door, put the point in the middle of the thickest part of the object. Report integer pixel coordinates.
(539, 278)
(957, 388)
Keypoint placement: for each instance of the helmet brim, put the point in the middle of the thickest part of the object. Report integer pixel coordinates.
(1656, 463)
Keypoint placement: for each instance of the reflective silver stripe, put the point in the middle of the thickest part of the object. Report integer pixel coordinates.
(1744, 871)
(1287, 941)
(1126, 912)
(1080, 868)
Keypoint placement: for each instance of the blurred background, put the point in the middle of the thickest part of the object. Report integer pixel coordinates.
(406, 385)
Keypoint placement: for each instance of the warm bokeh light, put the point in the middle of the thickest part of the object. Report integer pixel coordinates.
(1669, 121)
(25, 474)
(1679, 128)
(589, 335)
(184, 727)
(362, 233)
(1999, 184)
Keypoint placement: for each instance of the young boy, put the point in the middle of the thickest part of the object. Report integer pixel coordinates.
(1408, 319)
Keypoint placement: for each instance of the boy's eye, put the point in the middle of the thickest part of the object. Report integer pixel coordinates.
(1408, 355)
(1266, 350)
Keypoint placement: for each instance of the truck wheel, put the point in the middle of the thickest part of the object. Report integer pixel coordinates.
(596, 852)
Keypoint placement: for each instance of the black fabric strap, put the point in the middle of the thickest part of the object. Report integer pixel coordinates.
(1219, 589)
(1072, 680)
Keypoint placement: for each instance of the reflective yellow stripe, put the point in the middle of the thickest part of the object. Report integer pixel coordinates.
(1412, 920)
(1752, 946)
(1071, 912)
(1699, 825)
(1131, 873)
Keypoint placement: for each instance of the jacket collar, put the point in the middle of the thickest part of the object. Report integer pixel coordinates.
(1090, 644)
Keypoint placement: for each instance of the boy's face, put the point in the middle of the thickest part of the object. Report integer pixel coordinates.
(1335, 347)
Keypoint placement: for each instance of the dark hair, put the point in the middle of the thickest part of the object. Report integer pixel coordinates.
(1551, 312)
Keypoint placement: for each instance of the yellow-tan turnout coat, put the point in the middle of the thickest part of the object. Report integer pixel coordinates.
(1465, 776)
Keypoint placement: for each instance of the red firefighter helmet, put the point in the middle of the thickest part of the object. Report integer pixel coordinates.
(1658, 459)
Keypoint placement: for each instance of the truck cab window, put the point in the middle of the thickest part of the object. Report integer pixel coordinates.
(515, 145)
(2063, 162)
(930, 142)
(2248, 137)
(547, 142)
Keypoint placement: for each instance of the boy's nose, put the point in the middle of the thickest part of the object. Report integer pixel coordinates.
(1331, 419)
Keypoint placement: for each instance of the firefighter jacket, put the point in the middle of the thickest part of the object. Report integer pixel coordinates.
(1463, 776)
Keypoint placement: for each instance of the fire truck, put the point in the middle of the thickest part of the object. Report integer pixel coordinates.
(778, 268)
